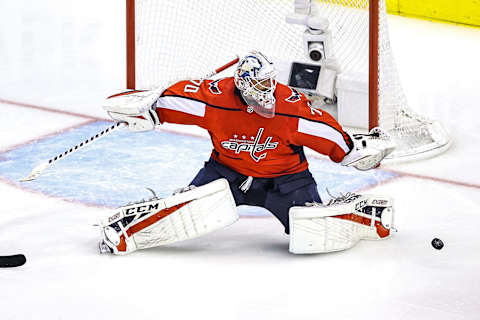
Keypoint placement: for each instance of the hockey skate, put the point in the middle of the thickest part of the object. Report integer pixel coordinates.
(103, 247)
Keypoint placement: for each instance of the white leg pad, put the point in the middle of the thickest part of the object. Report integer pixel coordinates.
(196, 218)
(336, 227)
(180, 217)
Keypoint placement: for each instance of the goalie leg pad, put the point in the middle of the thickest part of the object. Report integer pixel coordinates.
(339, 226)
(179, 217)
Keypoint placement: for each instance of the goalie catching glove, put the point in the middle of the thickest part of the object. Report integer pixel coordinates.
(136, 108)
(157, 222)
(369, 149)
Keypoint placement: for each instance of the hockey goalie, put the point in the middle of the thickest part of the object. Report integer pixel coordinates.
(258, 128)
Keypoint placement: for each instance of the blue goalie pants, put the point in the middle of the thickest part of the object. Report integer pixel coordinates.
(277, 195)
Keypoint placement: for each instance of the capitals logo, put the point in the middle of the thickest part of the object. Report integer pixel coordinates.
(252, 146)
(213, 87)
(294, 96)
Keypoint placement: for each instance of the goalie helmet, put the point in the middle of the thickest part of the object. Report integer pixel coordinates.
(255, 78)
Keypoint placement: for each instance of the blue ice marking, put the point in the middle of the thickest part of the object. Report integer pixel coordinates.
(117, 168)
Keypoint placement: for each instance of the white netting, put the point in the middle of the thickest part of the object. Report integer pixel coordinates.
(414, 134)
(185, 38)
(179, 39)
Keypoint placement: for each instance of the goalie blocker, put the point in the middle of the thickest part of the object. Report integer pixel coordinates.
(341, 224)
(157, 222)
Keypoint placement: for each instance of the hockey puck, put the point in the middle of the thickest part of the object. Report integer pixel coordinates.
(437, 243)
(15, 260)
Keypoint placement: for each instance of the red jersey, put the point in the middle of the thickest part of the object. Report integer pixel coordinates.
(247, 142)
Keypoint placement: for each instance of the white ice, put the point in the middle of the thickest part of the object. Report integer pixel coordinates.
(69, 55)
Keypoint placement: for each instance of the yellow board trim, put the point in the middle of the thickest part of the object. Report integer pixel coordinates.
(361, 4)
(465, 12)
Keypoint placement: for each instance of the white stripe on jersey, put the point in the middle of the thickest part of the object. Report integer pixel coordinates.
(189, 106)
(321, 130)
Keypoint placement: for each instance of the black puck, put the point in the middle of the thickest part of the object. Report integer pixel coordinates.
(437, 243)
(15, 260)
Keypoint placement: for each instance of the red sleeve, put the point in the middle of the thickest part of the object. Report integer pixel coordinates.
(183, 103)
(319, 131)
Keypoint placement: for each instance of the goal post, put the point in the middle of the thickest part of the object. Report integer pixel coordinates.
(130, 41)
(373, 65)
(171, 40)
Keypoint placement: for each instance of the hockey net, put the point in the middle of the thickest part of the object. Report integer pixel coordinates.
(182, 39)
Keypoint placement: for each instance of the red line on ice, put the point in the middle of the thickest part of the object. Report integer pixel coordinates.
(31, 106)
(48, 135)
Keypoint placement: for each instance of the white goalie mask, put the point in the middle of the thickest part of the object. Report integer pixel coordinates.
(255, 78)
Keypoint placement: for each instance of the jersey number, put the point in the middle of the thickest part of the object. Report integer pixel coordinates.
(193, 87)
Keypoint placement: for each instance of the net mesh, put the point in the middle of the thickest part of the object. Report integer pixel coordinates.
(413, 133)
(184, 39)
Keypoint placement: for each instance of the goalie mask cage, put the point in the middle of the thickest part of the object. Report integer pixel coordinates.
(183, 39)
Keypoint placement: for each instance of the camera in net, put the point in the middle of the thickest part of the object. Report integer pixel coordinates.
(316, 51)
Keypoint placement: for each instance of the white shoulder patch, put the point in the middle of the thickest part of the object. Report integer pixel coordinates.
(193, 107)
(324, 131)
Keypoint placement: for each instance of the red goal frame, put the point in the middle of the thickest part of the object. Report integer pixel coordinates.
(373, 55)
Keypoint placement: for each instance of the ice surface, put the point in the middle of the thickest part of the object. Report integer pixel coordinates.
(69, 55)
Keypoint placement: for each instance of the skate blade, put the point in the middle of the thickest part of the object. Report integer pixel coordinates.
(104, 248)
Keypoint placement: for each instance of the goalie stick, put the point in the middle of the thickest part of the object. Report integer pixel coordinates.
(37, 171)
(225, 66)
(15, 260)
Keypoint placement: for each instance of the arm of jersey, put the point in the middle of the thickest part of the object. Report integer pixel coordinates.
(319, 131)
(183, 103)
